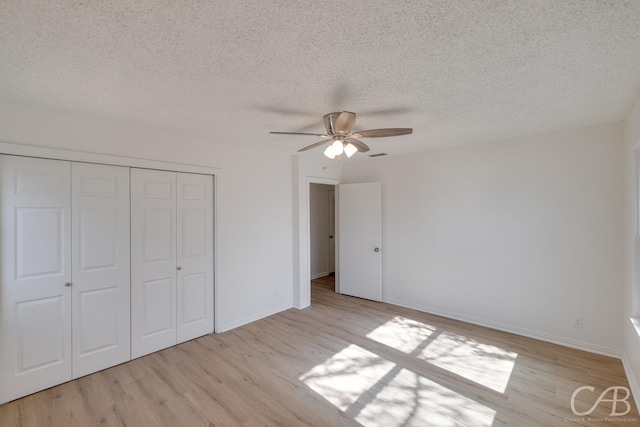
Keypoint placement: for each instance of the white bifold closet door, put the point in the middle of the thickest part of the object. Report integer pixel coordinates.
(65, 272)
(100, 267)
(194, 256)
(171, 258)
(35, 328)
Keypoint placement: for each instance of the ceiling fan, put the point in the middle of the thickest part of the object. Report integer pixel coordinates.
(342, 139)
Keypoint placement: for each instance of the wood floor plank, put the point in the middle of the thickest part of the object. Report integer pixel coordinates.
(343, 361)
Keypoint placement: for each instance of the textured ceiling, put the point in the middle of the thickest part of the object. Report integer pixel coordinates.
(455, 71)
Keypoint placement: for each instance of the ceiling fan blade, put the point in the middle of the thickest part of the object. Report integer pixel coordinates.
(361, 146)
(344, 122)
(379, 133)
(317, 144)
(321, 135)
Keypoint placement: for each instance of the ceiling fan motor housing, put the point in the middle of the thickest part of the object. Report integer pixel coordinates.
(329, 121)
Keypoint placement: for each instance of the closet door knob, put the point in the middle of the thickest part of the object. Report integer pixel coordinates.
(68, 284)
(179, 268)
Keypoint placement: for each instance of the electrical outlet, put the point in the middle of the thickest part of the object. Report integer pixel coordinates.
(577, 322)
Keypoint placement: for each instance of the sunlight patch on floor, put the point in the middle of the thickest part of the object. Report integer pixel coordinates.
(484, 364)
(378, 393)
(409, 399)
(402, 334)
(347, 375)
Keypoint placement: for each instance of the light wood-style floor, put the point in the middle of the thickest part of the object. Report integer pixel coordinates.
(342, 362)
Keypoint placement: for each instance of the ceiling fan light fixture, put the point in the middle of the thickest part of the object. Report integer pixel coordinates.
(329, 152)
(337, 147)
(350, 150)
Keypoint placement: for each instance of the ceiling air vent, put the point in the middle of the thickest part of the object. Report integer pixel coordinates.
(377, 155)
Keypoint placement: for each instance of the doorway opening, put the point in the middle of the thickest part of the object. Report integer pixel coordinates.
(322, 236)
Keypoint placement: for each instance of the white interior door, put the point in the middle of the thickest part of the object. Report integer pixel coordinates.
(359, 240)
(35, 317)
(100, 262)
(153, 261)
(194, 256)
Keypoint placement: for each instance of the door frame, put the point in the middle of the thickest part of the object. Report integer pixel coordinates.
(305, 271)
(333, 230)
(329, 215)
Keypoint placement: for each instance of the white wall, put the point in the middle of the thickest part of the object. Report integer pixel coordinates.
(254, 202)
(631, 356)
(521, 235)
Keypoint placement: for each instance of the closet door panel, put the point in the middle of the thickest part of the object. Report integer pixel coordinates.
(195, 256)
(35, 322)
(101, 267)
(153, 261)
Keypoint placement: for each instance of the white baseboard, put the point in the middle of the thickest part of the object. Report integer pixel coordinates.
(319, 275)
(567, 342)
(301, 307)
(224, 327)
(633, 381)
